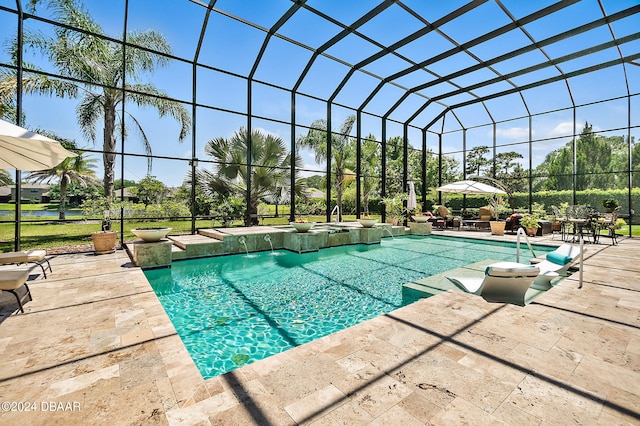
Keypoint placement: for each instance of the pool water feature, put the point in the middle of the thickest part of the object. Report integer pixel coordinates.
(234, 310)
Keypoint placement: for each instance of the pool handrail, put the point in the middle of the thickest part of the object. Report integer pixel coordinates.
(521, 231)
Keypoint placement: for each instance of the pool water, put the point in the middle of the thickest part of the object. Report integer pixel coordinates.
(234, 310)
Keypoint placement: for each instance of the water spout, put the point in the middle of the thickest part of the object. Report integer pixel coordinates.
(385, 228)
(267, 237)
(243, 241)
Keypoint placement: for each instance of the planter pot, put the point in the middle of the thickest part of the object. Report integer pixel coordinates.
(497, 228)
(150, 235)
(393, 222)
(531, 231)
(302, 226)
(420, 219)
(104, 242)
(367, 223)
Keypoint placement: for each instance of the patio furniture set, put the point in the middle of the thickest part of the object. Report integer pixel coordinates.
(587, 223)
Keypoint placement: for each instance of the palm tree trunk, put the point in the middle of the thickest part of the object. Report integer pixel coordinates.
(63, 199)
(339, 182)
(109, 148)
(253, 211)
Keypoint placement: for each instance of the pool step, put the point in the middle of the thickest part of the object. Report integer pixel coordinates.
(197, 245)
(178, 253)
(212, 233)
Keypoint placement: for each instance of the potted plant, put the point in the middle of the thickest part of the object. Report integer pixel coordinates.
(498, 206)
(530, 223)
(104, 241)
(610, 204)
(394, 207)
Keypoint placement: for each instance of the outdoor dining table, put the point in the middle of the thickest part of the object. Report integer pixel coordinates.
(476, 223)
(578, 227)
(438, 221)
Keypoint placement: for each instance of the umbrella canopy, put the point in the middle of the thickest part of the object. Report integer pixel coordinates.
(21, 149)
(412, 203)
(470, 187)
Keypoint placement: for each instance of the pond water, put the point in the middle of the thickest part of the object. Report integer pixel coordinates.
(40, 213)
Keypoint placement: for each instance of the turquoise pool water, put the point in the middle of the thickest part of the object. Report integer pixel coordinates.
(234, 310)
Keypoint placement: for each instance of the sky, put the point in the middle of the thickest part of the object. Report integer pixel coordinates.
(233, 46)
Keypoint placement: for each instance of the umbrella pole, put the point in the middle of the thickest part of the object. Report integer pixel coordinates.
(18, 214)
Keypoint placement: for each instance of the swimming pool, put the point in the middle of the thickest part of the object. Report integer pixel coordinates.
(234, 310)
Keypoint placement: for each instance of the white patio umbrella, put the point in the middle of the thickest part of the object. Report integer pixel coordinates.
(470, 187)
(21, 149)
(412, 203)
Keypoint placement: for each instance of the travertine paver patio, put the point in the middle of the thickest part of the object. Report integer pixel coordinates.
(95, 347)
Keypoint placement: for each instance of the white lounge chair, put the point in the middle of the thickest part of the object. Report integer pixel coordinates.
(11, 280)
(556, 263)
(504, 282)
(28, 256)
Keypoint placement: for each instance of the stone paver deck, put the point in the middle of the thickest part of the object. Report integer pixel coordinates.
(96, 347)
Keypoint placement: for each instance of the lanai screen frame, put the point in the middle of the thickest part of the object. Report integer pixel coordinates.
(433, 129)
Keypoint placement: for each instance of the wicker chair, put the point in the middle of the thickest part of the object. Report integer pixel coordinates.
(485, 213)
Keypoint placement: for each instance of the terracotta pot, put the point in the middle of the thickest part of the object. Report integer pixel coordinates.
(497, 228)
(104, 242)
(531, 231)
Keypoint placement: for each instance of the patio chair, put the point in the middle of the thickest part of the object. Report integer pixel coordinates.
(11, 280)
(445, 214)
(29, 256)
(559, 223)
(504, 282)
(609, 224)
(485, 213)
(556, 263)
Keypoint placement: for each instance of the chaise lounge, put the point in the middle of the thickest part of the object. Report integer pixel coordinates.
(504, 282)
(556, 263)
(29, 256)
(11, 280)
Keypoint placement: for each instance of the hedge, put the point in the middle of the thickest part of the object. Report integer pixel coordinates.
(591, 197)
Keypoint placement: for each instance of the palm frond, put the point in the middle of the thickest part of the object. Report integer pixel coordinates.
(164, 106)
(89, 111)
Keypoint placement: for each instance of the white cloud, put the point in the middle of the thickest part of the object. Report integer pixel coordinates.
(266, 132)
(564, 128)
(515, 133)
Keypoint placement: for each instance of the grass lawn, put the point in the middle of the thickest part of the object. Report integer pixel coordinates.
(47, 234)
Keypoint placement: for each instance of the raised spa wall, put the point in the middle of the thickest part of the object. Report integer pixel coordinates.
(222, 241)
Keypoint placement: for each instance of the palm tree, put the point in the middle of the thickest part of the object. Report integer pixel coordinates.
(270, 168)
(316, 139)
(5, 177)
(87, 57)
(370, 168)
(77, 170)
